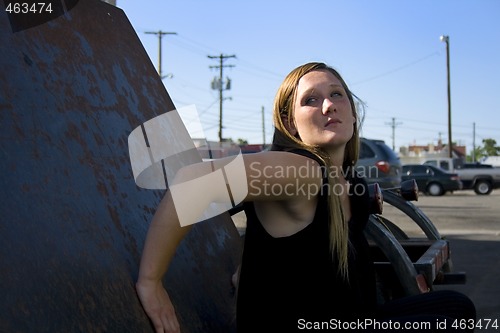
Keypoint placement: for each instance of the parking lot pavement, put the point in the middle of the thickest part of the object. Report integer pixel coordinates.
(472, 225)
(479, 256)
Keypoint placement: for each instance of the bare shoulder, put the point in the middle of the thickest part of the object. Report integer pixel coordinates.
(282, 163)
(276, 175)
(264, 176)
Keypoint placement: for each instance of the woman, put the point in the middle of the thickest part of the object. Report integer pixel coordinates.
(315, 271)
(305, 259)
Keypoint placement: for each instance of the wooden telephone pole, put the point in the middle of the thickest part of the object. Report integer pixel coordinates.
(217, 84)
(160, 35)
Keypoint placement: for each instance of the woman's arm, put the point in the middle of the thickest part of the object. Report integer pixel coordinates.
(163, 237)
(267, 175)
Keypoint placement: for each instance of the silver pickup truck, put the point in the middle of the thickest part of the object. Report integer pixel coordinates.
(482, 178)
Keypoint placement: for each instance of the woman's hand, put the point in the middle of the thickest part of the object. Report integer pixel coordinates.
(158, 306)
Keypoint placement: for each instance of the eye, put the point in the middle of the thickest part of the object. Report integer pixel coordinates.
(336, 94)
(310, 100)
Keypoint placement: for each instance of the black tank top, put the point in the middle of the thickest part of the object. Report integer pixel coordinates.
(287, 282)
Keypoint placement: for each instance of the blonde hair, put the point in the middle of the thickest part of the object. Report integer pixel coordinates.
(284, 104)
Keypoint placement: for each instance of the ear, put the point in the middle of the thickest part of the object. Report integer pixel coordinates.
(289, 125)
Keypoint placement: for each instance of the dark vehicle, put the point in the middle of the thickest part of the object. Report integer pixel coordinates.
(482, 178)
(475, 166)
(432, 180)
(378, 163)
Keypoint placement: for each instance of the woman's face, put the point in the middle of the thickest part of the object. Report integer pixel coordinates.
(322, 113)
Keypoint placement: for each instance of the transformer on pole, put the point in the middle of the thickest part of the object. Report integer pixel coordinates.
(218, 84)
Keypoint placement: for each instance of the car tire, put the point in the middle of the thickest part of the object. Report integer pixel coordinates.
(435, 189)
(483, 187)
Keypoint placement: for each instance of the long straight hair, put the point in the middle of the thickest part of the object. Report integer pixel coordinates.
(284, 104)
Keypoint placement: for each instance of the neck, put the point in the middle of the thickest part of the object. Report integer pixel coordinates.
(337, 156)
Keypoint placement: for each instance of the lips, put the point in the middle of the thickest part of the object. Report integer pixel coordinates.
(333, 121)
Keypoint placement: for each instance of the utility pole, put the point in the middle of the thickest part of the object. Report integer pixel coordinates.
(263, 128)
(393, 124)
(160, 35)
(218, 84)
(446, 39)
(473, 142)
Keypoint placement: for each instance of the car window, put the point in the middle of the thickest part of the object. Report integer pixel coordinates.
(444, 165)
(431, 162)
(365, 151)
(387, 150)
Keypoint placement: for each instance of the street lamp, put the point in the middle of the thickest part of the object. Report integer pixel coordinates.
(446, 39)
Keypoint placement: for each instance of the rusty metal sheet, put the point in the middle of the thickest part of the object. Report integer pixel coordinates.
(72, 220)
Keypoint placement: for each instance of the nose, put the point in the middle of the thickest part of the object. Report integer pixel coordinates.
(328, 106)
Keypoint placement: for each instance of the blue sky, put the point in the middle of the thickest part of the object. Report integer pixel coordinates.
(388, 51)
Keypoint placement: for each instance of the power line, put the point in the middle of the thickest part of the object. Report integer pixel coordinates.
(396, 69)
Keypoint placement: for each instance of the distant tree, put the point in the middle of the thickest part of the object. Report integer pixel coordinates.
(242, 142)
(489, 148)
(477, 153)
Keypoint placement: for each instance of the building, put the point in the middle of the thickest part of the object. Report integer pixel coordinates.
(418, 153)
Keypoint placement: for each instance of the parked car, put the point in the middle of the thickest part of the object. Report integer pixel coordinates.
(432, 180)
(378, 163)
(482, 178)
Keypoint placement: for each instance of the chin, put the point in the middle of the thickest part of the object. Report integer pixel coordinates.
(329, 140)
(334, 142)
